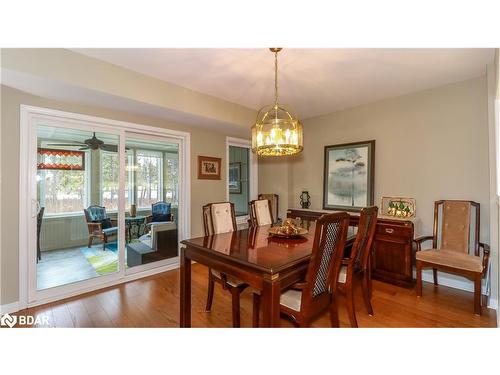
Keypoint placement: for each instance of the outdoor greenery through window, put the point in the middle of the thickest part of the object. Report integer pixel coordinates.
(149, 176)
(109, 180)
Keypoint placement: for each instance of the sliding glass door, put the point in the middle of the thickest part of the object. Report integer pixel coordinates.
(77, 194)
(105, 204)
(152, 201)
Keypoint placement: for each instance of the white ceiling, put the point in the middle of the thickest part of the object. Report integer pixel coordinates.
(312, 81)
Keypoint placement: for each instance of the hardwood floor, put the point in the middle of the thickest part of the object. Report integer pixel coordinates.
(154, 302)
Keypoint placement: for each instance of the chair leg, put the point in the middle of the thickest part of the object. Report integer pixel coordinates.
(365, 287)
(104, 241)
(334, 312)
(350, 306)
(419, 279)
(256, 310)
(90, 240)
(477, 294)
(435, 275)
(210, 295)
(235, 293)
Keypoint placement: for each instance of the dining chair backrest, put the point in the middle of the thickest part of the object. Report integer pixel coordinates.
(219, 218)
(274, 199)
(360, 252)
(457, 217)
(327, 251)
(260, 212)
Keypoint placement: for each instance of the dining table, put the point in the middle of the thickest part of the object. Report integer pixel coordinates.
(267, 263)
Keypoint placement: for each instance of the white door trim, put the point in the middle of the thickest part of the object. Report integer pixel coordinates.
(253, 175)
(27, 188)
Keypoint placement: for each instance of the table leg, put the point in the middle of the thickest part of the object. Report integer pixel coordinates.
(270, 303)
(185, 311)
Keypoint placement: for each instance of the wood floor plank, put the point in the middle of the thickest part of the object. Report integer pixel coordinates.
(154, 302)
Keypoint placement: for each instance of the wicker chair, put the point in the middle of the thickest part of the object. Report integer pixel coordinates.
(306, 300)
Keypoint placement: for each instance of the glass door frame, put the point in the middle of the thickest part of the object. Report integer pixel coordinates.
(30, 118)
(253, 172)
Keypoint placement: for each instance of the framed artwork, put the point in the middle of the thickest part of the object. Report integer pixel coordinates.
(348, 178)
(208, 168)
(235, 178)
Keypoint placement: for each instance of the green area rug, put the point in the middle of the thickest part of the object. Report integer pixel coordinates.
(103, 262)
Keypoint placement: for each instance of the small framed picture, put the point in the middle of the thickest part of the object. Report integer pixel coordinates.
(208, 168)
(349, 176)
(235, 178)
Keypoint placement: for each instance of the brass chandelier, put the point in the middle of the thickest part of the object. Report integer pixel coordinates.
(276, 131)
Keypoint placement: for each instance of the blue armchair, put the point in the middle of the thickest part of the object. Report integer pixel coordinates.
(100, 225)
(160, 213)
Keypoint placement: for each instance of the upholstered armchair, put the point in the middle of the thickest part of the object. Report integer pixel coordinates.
(100, 226)
(453, 252)
(260, 212)
(160, 214)
(220, 218)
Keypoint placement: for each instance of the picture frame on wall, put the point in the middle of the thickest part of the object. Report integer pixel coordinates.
(349, 176)
(235, 178)
(209, 168)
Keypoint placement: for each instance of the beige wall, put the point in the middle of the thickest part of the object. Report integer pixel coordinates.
(202, 191)
(430, 145)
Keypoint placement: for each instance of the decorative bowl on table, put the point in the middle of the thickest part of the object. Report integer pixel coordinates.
(289, 229)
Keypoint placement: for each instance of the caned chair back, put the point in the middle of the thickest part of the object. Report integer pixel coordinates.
(366, 231)
(328, 249)
(219, 218)
(456, 218)
(95, 213)
(274, 199)
(260, 212)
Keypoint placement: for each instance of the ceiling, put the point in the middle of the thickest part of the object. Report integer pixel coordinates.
(312, 82)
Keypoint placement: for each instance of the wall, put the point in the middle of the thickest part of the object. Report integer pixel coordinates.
(430, 145)
(203, 142)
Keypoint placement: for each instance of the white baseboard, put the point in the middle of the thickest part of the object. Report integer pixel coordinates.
(9, 308)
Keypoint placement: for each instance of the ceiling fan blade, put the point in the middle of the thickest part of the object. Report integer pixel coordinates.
(83, 148)
(66, 144)
(111, 148)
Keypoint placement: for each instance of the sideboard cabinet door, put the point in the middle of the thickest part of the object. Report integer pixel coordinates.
(392, 252)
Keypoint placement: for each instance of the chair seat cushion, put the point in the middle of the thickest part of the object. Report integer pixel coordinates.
(451, 258)
(343, 274)
(111, 230)
(291, 299)
(230, 280)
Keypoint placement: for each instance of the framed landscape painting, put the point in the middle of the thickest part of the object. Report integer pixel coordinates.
(349, 176)
(208, 168)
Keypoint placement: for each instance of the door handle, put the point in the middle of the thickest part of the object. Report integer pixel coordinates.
(35, 207)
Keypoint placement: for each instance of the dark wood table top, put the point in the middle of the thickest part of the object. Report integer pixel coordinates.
(254, 248)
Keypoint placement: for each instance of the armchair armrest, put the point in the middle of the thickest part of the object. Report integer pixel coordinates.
(94, 228)
(486, 256)
(418, 241)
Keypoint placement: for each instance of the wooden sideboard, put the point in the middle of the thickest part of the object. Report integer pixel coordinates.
(392, 254)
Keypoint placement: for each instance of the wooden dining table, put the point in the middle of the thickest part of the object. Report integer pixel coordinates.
(268, 264)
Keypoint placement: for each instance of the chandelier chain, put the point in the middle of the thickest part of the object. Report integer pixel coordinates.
(276, 78)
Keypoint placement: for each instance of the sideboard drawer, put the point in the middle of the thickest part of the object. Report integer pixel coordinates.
(394, 230)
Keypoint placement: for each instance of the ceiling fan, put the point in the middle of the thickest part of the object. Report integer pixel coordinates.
(93, 143)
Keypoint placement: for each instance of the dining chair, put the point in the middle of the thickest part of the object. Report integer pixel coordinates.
(305, 300)
(274, 199)
(260, 212)
(99, 225)
(220, 218)
(358, 264)
(451, 246)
